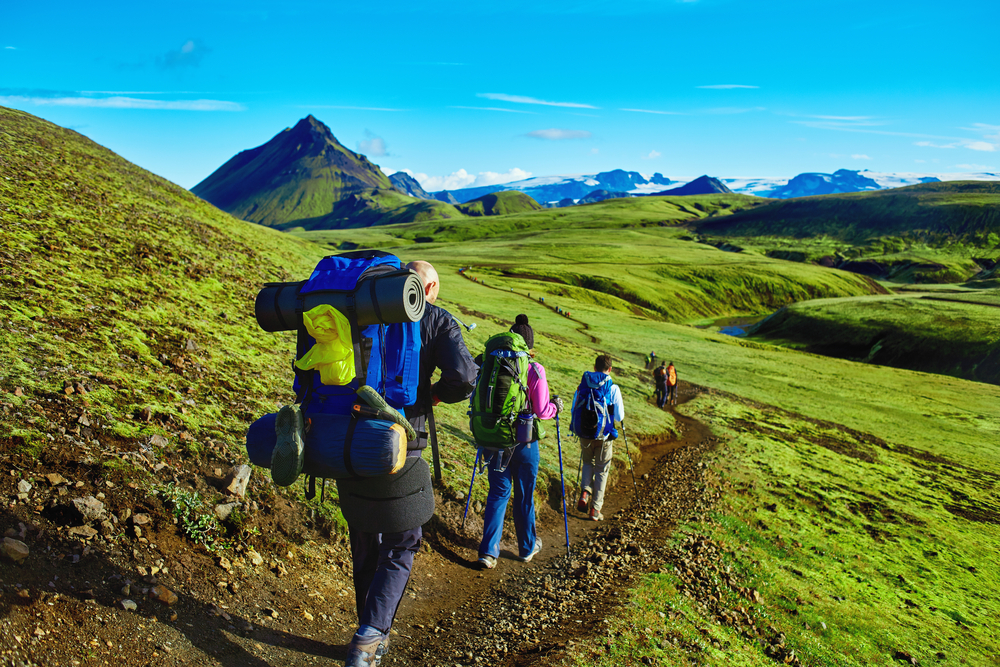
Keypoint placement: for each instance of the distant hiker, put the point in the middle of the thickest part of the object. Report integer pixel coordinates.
(671, 384)
(597, 405)
(517, 468)
(646, 361)
(382, 561)
(660, 377)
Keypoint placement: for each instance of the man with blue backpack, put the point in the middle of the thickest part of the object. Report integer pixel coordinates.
(369, 340)
(597, 405)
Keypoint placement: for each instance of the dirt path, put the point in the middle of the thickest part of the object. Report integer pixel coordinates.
(284, 595)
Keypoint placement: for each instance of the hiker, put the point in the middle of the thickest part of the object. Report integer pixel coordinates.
(517, 468)
(382, 561)
(660, 377)
(597, 405)
(671, 380)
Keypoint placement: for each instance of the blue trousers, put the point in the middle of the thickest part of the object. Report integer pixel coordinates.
(520, 474)
(382, 564)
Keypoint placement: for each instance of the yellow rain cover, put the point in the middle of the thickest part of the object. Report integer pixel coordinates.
(333, 353)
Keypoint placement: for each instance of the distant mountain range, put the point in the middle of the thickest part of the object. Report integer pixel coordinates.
(561, 190)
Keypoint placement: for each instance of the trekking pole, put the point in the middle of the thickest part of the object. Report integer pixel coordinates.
(469, 497)
(562, 479)
(631, 467)
(434, 447)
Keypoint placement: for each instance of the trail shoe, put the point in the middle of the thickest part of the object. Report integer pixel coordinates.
(366, 651)
(584, 502)
(595, 515)
(535, 550)
(286, 461)
(486, 562)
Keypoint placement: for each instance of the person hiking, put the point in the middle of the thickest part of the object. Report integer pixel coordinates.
(660, 377)
(520, 471)
(383, 561)
(671, 396)
(597, 405)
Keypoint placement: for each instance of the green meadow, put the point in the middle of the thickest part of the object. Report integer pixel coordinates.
(858, 499)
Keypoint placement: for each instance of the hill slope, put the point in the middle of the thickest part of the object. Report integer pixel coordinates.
(500, 203)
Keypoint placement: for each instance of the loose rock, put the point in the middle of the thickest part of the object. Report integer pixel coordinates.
(15, 550)
(89, 507)
(163, 595)
(237, 479)
(223, 511)
(85, 532)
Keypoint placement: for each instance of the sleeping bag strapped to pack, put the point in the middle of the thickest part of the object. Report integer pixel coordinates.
(593, 414)
(334, 357)
(501, 392)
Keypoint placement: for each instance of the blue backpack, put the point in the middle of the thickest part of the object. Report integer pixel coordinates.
(387, 356)
(593, 414)
(342, 443)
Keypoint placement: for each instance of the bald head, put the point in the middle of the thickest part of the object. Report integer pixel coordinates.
(429, 276)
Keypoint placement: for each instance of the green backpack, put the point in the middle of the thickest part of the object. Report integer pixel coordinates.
(501, 392)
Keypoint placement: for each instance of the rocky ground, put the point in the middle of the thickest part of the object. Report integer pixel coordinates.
(98, 572)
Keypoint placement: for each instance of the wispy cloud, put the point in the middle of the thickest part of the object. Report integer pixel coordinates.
(372, 145)
(984, 146)
(973, 167)
(333, 106)
(556, 134)
(494, 109)
(732, 110)
(860, 156)
(191, 53)
(123, 103)
(463, 179)
(521, 99)
(10, 48)
(726, 86)
(661, 113)
(652, 155)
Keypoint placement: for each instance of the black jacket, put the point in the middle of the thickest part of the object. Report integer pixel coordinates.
(441, 346)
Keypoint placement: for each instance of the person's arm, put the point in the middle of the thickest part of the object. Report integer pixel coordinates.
(616, 399)
(458, 370)
(538, 393)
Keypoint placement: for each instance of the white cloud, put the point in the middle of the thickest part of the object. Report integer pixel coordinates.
(493, 178)
(920, 161)
(662, 113)
(595, 151)
(372, 146)
(123, 103)
(463, 179)
(521, 99)
(556, 134)
(652, 155)
(860, 156)
(733, 110)
(494, 109)
(980, 146)
(11, 48)
(726, 86)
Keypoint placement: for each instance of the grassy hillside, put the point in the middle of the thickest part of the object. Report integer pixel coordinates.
(138, 291)
(607, 215)
(933, 232)
(507, 202)
(373, 208)
(953, 334)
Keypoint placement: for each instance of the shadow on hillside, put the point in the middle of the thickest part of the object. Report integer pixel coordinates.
(58, 570)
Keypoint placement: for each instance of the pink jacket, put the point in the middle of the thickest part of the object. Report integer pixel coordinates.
(538, 392)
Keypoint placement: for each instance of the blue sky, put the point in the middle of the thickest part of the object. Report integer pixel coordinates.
(464, 93)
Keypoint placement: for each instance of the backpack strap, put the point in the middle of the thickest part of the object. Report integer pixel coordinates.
(306, 378)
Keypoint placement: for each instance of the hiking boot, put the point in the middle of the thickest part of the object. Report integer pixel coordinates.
(595, 515)
(366, 651)
(584, 502)
(486, 562)
(534, 550)
(287, 458)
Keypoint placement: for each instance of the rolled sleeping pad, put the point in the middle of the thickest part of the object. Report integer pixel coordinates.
(386, 298)
(377, 447)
